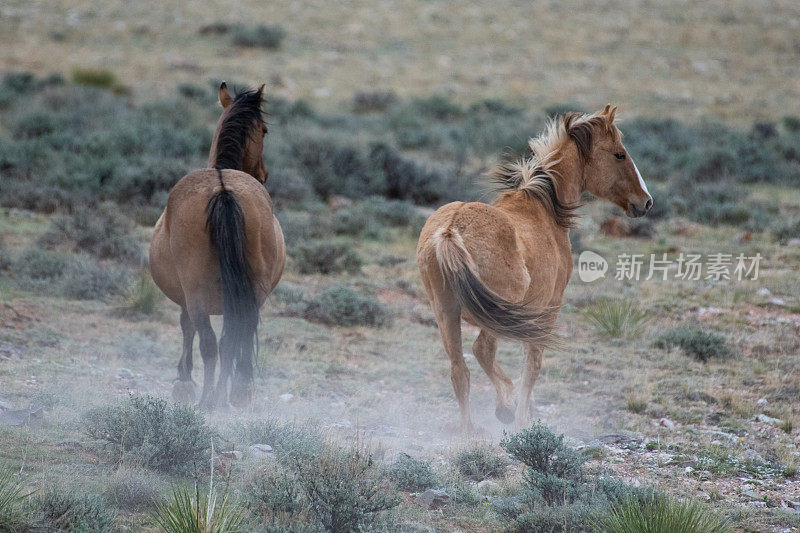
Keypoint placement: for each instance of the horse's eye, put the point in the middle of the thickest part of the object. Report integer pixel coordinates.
(619, 155)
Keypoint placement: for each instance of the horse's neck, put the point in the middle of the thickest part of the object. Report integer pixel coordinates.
(568, 172)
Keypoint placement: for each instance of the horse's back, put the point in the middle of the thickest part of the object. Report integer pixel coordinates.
(489, 237)
(183, 263)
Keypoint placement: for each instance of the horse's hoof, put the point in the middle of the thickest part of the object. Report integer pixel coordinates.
(183, 392)
(504, 414)
(241, 395)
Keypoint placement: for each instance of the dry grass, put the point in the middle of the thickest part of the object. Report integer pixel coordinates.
(663, 58)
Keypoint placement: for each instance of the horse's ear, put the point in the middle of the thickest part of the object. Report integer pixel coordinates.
(224, 98)
(606, 109)
(261, 91)
(611, 114)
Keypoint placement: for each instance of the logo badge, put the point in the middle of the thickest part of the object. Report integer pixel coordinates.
(591, 266)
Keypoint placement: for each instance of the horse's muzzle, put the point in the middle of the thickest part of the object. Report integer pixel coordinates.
(639, 210)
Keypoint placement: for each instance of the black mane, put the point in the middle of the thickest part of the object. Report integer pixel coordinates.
(243, 115)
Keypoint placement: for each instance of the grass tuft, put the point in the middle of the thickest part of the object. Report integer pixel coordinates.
(662, 514)
(616, 318)
(702, 345)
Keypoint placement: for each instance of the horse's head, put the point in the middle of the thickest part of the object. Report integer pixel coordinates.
(256, 128)
(610, 172)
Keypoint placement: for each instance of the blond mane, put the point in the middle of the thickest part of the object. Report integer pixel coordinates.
(536, 174)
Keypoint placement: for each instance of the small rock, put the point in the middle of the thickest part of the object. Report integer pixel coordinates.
(124, 373)
(667, 423)
(288, 397)
(232, 454)
(757, 504)
(261, 450)
(23, 417)
(767, 419)
(703, 496)
(794, 505)
(487, 485)
(763, 291)
(750, 494)
(433, 498)
(793, 242)
(338, 202)
(762, 402)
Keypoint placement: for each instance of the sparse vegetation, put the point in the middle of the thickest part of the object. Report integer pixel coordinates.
(12, 496)
(147, 431)
(701, 345)
(187, 512)
(133, 488)
(104, 79)
(142, 298)
(70, 511)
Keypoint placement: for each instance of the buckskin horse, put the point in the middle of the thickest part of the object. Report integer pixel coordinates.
(503, 267)
(217, 249)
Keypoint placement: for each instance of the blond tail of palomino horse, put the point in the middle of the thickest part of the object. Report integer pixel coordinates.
(218, 250)
(503, 267)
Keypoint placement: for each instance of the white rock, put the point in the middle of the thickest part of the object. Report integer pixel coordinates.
(261, 450)
(288, 397)
(767, 419)
(124, 373)
(667, 423)
(762, 402)
(763, 291)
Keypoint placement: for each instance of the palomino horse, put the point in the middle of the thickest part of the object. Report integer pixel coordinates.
(504, 267)
(218, 250)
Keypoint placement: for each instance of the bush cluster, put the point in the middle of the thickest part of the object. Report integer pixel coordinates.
(72, 276)
(148, 432)
(479, 462)
(411, 474)
(259, 36)
(339, 305)
(702, 345)
(556, 494)
(325, 257)
(67, 511)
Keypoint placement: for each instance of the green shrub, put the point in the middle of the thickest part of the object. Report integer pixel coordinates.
(86, 279)
(340, 306)
(326, 257)
(542, 451)
(133, 489)
(701, 345)
(40, 265)
(100, 231)
(192, 91)
(411, 474)
(344, 489)
(301, 226)
(104, 79)
(785, 230)
(260, 36)
(277, 498)
(479, 462)
(149, 432)
(69, 511)
(19, 82)
(373, 101)
(662, 515)
(616, 318)
(12, 515)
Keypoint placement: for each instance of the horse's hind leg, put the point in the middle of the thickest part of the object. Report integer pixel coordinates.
(208, 349)
(485, 348)
(530, 371)
(225, 369)
(183, 389)
(448, 318)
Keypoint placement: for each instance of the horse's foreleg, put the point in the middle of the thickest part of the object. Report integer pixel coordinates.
(208, 349)
(183, 389)
(485, 348)
(530, 371)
